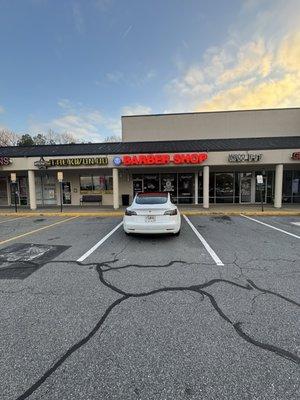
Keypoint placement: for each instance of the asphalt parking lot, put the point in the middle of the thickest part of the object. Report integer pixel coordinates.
(90, 313)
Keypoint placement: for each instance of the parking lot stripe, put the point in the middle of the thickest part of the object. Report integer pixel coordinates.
(204, 242)
(296, 223)
(34, 231)
(12, 219)
(271, 226)
(95, 247)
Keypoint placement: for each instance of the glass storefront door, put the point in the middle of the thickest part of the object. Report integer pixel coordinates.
(21, 191)
(246, 187)
(45, 186)
(186, 184)
(66, 192)
(250, 192)
(3, 192)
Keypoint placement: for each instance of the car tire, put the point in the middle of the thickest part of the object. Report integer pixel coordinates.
(177, 233)
(127, 233)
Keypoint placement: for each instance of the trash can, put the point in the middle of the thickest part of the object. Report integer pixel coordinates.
(125, 199)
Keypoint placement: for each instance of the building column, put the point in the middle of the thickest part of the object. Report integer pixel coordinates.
(278, 185)
(32, 195)
(196, 186)
(206, 186)
(116, 188)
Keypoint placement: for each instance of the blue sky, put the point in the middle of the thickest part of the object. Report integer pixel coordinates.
(78, 65)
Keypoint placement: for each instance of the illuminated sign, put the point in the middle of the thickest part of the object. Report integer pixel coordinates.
(296, 156)
(78, 162)
(244, 157)
(164, 159)
(4, 161)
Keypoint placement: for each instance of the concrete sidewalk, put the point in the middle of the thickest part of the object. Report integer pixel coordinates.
(107, 211)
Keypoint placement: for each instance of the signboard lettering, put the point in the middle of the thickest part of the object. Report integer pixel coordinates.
(244, 157)
(4, 161)
(164, 159)
(296, 156)
(78, 161)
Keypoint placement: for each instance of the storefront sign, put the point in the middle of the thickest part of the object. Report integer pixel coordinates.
(4, 161)
(78, 162)
(296, 156)
(163, 159)
(244, 157)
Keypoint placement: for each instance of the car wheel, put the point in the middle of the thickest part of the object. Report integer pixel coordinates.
(127, 233)
(177, 233)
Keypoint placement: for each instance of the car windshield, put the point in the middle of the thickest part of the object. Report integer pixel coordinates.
(151, 199)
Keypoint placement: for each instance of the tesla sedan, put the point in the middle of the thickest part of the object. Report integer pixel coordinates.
(152, 213)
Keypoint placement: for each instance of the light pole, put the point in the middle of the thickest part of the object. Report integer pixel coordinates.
(13, 178)
(60, 177)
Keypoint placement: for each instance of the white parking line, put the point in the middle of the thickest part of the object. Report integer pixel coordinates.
(89, 252)
(12, 219)
(204, 242)
(271, 226)
(296, 223)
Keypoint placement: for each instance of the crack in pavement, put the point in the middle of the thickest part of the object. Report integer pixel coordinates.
(105, 266)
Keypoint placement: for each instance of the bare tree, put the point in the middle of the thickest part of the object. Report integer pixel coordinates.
(112, 138)
(8, 138)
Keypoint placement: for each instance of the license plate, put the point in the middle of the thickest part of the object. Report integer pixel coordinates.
(150, 218)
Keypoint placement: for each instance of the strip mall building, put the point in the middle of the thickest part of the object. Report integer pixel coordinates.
(201, 158)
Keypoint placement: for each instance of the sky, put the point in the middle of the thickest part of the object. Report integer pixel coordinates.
(76, 66)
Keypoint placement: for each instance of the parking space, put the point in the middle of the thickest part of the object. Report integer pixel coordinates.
(212, 313)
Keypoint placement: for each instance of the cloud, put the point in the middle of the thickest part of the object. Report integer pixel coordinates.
(78, 18)
(2, 110)
(84, 123)
(136, 109)
(257, 66)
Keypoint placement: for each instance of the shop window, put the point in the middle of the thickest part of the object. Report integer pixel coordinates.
(287, 186)
(224, 187)
(212, 187)
(169, 184)
(200, 188)
(3, 191)
(186, 188)
(151, 183)
(96, 184)
(236, 187)
(270, 186)
(296, 187)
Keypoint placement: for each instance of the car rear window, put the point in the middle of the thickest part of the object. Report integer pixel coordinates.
(151, 199)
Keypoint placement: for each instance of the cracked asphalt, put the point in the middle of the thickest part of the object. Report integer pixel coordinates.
(150, 318)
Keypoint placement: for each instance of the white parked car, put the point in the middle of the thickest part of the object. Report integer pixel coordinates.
(152, 213)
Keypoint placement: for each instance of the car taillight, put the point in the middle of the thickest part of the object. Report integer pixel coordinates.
(171, 212)
(129, 212)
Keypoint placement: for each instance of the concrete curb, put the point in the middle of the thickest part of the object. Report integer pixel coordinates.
(121, 213)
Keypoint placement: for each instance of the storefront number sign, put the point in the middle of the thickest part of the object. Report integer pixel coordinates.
(5, 161)
(164, 159)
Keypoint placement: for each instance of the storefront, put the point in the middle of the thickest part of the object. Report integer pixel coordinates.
(203, 171)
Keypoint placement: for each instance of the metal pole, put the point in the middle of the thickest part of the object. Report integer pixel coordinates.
(61, 197)
(15, 196)
(261, 198)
